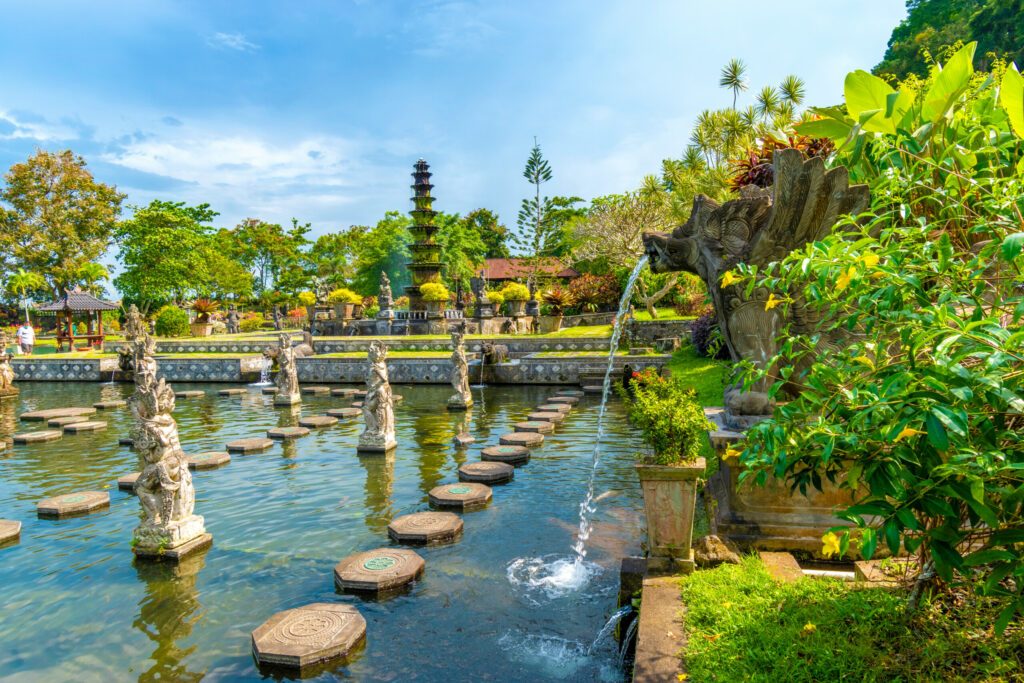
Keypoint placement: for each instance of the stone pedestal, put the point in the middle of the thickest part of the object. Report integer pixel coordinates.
(376, 443)
(172, 540)
(287, 399)
(8, 392)
(457, 402)
(670, 493)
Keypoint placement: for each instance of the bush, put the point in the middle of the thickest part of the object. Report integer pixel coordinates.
(251, 322)
(204, 308)
(594, 292)
(496, 297)
(557, 300)
(670, 418)
(401, 303)
(297, 313)
(171, 321)
(690, 296)
(514, 291)
(344, 295)
(371, 311)
(307, 298)
(707, 338)
(434, 291)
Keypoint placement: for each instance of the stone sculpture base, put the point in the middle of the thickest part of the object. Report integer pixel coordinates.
(287, 399)
(457, 402)
(172, 541)
(189, 548)
(375, 443)
(8, 392)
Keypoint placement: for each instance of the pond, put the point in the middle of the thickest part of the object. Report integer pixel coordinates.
(77, 607)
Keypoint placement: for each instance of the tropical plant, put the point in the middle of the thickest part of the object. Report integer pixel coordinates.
(515, 291)
(171, 321)
(593, 292)
(91, 275)
(496, 297)
(306, 298)
(434, 292)
(734, 78)
(670, 418)
(343, 295)
(204, 308)
(251, 322)
(706, 337)
(557, 300)
(23, 283)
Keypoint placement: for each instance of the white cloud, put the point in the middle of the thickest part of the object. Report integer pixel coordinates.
(232, 41)
(18, 127)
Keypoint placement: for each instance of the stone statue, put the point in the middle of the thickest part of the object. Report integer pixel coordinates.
(462, 398)
(7, 388)
(287, 378)
(482, 306)
(384, 297)
(134, 328)
(232, 321)
(378, 405)
(164, 486)
(760, 227)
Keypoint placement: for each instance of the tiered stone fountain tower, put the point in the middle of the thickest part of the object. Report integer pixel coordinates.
(426, 253)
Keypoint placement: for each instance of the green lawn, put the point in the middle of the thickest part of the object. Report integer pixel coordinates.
(391, 354)
(705, 375)
(741, 625)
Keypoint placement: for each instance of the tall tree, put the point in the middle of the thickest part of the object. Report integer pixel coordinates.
(384, 247)
(91, 275)
(266, 248)
(492, 232)
(331, 259)
(462, 249)
(536, 236)
(57, 217)
(734, 78)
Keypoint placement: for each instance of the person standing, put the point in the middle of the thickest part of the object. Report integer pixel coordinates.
(26, 338)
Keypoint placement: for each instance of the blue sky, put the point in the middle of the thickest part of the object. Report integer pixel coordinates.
(318, 110)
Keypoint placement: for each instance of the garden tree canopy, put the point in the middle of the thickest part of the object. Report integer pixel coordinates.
(331, 260)
(55, 217)
(90, 275)
(491, 231)
(267, 249)
(462, 249)
(384, 247)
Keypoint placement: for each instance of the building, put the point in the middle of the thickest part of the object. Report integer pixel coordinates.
(501, 270)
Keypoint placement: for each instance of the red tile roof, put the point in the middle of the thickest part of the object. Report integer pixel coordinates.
(513, 268)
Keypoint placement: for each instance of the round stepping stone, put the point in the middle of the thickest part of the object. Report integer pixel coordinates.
(252, 445)
(487, 472)
(207, 460)
(378, 570)
(297, 638)
(359, 393)
(316, 390)
(569, 392)
(513, 455)
(87, 426)
(345, 412)
(266, 391)
(127, 482)
(593, 389)
(126, 441)
(192, 393)
(535, 426)
(345, 392)
(528, 439)
(109, 405)
(72, 504)
(287, 432)
(318, 421)
(10, 531)
(357, 404)
(36, 437)
(463, 496)
(554, 408)
(553, 416)
(426, 527)
(238, 391)
(43, 415)
(567, 400)
(63, 421)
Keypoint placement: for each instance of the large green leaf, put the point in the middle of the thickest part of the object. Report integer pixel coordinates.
(1011, 98)
(834, 130)
(949, 83)
(868, 94)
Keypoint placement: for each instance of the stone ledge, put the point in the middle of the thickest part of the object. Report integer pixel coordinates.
(661, 636)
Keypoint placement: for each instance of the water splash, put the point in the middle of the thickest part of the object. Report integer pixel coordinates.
(557, 658)
(612, 622)
(549, 577)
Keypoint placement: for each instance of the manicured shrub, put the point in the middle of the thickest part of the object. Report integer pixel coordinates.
(344, 295)
(251, 322)
(307, 298)
(515, 291)
(669, 417)
(171, 321)
(434, 292)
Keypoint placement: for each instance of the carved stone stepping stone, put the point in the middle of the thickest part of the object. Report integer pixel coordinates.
(567, 400)
(535, 426)
(463, 440)
(37, 437)
(513, 455)
(87, 426)
(320, 391)
(266, 391)
(42, 415)
(207, 460)
(252, 445)
(72, 504)
(593, 388)
(554, 408)
(237, 391)
(307, 635)
(462, 496)
(487, 472)
(287, 432)
(357, 404)
(359, 393)
(377, 571)
(318, 421)
(546, 416)
(528, 439)
(346, 413)
(10, 531)
(61, 422)
(426, 527)
(191, 393)
(109, 405)
(345, 392)
(570, 392)
(126, 441)
(127, 482)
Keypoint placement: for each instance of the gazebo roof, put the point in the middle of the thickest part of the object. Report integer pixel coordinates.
(78, 301)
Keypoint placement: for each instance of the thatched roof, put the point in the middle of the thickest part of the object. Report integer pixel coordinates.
(78, 301)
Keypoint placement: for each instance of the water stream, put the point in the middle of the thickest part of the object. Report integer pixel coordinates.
(264, 374)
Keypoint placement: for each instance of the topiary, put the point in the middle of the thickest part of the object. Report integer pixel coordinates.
(496, 298)
(514, 291)
(434, 291)
(171, 321)
(307, 298)
(707, 337)
(344, 295)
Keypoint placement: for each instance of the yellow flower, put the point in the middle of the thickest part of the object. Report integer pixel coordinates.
(730, 453)
(845, 278)
(809, 628)
(869, 259)
(830, 545)
(865, 361)
(772, 302)
(682, 677)
(729, 278)
(907, 432)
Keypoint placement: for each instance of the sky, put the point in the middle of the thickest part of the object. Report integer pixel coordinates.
(318, 110)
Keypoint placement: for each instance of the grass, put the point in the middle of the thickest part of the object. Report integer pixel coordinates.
(664, 314)
(743, 626)
(705, 375)
(391, 354)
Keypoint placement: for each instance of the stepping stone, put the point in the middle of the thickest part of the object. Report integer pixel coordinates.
(513, 455)
(126, 441)
(127, 482)
(570, 392)
(297, 638)
(545, 416)
(567, 400)
(72, 504)
(63, 421)
(252, 445)
(345, 412)
(397, 398)
(42, 415)
(593, 388)
(467, 496)
(318, 421)
(528, 439)
(345, 392)
(10, 531)
(89, 426)
(266, 391)
(487, 472)
(426, 527)
(378, 570)
(207, 460)
(535, 426)
(36, 437)
(192, 393)
(109, 405)
(357, 404)
(463, 440)
(359, 393)
(316, 390)
(238, 391)
(287, 432)
(554, 408)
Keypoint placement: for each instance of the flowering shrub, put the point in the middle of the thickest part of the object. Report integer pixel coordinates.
(307, 298)
(594, 292)
(251, 322)
(669, 416)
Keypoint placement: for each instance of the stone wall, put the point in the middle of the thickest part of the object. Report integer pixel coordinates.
(524, 344)
(210, 369)
(646, 333)
(63, 370)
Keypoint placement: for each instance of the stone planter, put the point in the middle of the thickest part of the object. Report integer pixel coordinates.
(516, 308)
(670, 493)
(343, 311)
(434, 307)
(550, 323)
(201, 329)
(357, 311)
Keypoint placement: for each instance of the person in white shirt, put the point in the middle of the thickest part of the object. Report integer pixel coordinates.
(26, 338)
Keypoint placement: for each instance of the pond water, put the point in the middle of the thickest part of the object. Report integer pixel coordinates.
(77, 607)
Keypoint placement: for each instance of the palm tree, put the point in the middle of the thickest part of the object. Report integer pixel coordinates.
(734, 78)
(767, 102)
(92, 274)
(792, 90)
(21, 283)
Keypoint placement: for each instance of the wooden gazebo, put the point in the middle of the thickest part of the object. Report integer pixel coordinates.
(77, 302)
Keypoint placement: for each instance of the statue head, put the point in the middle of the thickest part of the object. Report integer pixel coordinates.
(378, 351)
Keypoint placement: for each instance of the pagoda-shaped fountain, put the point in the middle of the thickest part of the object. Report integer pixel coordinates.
(426, 253)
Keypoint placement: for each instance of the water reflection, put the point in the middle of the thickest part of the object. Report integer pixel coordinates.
(379, 488)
